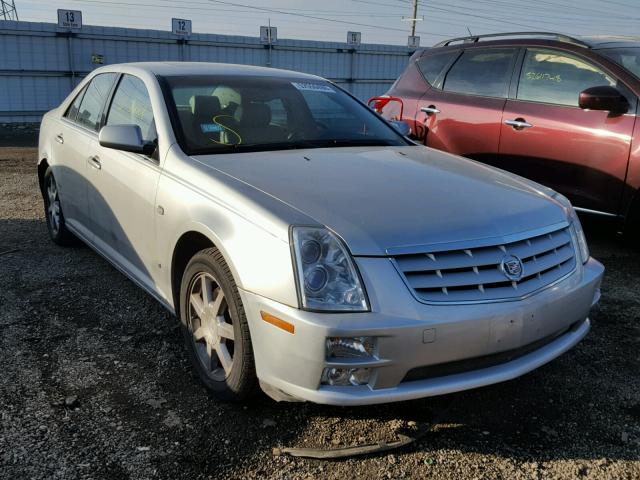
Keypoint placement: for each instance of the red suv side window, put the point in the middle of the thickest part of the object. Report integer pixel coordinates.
(550, 76)
(432, 66)
(484, 72)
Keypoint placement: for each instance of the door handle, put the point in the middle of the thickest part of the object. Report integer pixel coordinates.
(59, 138)
(95, 162)
(518, 124)
(430, 110)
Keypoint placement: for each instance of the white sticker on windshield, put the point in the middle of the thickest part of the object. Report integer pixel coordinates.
(313, 87)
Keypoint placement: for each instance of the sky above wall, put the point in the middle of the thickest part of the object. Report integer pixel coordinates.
(380, 21)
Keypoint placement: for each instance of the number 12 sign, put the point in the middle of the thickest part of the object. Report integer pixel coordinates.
(180, 26)
(70, 19)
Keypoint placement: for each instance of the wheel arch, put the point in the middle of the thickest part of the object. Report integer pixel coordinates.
(187, 245)
(43, 165)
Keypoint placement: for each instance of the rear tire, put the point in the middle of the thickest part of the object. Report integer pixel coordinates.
(215, 328)
(53, 212)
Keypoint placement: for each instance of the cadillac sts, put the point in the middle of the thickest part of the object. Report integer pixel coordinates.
(305, 244)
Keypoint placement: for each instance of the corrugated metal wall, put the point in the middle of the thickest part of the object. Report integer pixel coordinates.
(39, 63)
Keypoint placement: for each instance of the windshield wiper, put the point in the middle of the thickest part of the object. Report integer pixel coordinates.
(354, 142)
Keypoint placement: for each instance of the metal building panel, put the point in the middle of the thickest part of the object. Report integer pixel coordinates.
(35, 74)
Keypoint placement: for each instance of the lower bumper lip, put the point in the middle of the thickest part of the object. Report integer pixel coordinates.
(443, 385)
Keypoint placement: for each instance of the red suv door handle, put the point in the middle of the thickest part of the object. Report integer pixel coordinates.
(430, 110)
(518, 124)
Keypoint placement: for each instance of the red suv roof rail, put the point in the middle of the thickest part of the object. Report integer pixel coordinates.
(475, 38)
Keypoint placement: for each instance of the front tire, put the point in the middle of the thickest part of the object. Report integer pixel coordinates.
(215, 328)
(53, 212)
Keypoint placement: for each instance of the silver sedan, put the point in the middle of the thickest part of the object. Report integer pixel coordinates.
(305, 244)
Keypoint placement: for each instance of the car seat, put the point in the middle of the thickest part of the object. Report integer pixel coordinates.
(255, 125)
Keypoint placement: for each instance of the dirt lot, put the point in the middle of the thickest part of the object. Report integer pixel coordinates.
(95, 384)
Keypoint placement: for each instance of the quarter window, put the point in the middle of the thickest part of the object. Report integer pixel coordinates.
(89, 115)
(481, 72)
(431, 66)
(72, 111)
(132, 106)
(553, 77)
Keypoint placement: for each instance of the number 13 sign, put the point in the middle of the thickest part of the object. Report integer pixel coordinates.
(70, 19)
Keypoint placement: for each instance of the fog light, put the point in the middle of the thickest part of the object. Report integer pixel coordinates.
(344, 347)
(346, 376)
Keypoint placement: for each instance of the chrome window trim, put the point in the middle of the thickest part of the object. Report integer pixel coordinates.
(81, 128)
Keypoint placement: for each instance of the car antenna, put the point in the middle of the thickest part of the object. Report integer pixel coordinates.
(469, 30)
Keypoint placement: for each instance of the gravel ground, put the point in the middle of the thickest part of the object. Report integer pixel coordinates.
(96, 384)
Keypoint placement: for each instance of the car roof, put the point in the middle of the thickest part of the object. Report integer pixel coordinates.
(612, 41)
(590, 42)
(205, 68)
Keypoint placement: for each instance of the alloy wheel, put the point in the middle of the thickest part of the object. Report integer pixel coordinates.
(53, 205)
(211, 326)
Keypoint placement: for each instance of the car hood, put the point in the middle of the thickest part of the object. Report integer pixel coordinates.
(382, 198)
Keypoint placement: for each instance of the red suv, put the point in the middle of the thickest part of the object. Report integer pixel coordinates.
(552, 108)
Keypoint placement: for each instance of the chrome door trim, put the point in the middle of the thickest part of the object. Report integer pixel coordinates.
(518, 124)
(429, 110)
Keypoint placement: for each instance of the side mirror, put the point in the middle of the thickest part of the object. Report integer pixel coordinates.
(401, 127)
(604, 98)
(127, 138)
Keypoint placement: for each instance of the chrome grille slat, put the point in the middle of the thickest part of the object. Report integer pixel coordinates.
(447, 260)
(474, 274)
(454, 279)
(539, 245)
(547, 261)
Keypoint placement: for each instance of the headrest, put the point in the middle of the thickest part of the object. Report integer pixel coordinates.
(256, 115)
(205, 105)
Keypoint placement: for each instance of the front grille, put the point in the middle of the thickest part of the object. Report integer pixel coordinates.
(475, 275)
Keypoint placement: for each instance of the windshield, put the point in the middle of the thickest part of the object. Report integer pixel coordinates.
(628, 57)
(232, 114)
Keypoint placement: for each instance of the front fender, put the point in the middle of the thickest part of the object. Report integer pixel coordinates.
(259, 259)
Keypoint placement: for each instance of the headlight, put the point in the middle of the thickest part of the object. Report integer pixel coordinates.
(572, 216)
(582, 240)
(327, 277)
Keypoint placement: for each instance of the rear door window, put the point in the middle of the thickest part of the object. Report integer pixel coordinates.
(555, 77)
(432, 66)
(89, 115)
(484, 72)
(131, 105)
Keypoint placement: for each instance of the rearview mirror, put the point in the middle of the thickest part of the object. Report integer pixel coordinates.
(127, 138)
(604, 98)
(401, 127)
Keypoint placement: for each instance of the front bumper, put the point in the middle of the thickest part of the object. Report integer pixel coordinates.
(411, 335)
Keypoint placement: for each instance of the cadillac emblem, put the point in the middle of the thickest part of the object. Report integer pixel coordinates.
(512, 267)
